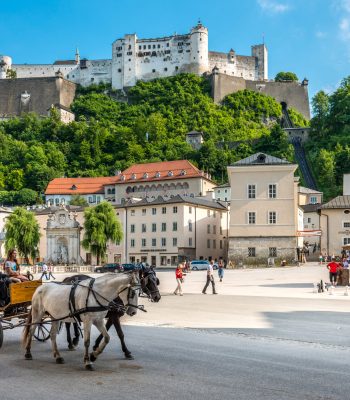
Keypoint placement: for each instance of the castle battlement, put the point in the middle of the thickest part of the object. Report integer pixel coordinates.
(136, 59)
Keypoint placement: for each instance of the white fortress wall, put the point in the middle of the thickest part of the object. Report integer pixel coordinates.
(41, 70)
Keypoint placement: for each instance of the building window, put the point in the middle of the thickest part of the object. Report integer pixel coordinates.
(174, 226)
(153, 70)
(220, 230)
(175, 210)
(190, 241)
(313, 200)
(163, 210)
(221, 244)
(251, 218)
(154, 227)
(143, 228)
(309, 221)
(154, 211)
(272, 217)
(208, 228)
(190, 210)
(208, 243)
(346, 241)
(143, 242)
(346, 224)
(144, 211)
(132, 213)
(163, 226)
(214, 243)
(214, 214)
(132, 228)
(173, 260)
(132, 243)
(214, 229)
(208, 213)
(163, 242)
(272, 191)
(154, 242)
(190, 226)
(174, 242)
(251, 251)
(273, 252)
(251, 191)
(165, 69)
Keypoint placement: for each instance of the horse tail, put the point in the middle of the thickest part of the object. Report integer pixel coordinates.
(26, 329)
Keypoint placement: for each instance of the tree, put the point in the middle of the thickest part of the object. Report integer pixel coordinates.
(11, 74)
(286, 76)
(100, 225)
(77, 200)
(23, 233)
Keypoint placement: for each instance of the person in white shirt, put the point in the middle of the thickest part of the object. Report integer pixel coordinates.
(210, 278)
(44, 272)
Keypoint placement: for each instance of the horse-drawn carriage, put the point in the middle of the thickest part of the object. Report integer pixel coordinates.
(15, 313)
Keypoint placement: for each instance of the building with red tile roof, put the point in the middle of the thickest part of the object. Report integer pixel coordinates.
(165, 178)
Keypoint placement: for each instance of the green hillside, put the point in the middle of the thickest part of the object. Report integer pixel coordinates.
(110, 135)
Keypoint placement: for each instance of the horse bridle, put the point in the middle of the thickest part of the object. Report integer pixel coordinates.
(145, 277)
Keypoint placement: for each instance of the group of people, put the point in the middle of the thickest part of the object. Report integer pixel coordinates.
(180, 274)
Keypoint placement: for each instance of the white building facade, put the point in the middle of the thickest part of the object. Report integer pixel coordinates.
(136, 59)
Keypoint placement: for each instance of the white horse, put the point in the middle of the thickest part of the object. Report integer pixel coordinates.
(92, 298)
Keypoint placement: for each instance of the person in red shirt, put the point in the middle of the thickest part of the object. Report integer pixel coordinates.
(333, 268)
(179, 279)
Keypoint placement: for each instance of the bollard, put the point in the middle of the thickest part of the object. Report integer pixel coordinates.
(346, 293)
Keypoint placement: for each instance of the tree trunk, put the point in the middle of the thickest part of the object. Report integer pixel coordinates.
(98, 259)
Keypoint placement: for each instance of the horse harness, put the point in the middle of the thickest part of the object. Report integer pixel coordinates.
(111, 306)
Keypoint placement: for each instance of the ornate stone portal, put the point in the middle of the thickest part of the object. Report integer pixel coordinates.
(63, 237)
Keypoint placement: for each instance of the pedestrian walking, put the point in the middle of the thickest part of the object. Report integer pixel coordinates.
(221, 269)
(210, 278)
(179, 279)
(333, 268)
(44, 272)
(49, 270)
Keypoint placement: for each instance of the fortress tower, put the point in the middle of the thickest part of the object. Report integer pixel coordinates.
(199, 49)
(5, 65)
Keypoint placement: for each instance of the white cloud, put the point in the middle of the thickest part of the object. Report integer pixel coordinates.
(344, 28)
(275, 7)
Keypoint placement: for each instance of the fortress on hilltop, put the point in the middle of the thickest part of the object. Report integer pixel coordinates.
(135, 59)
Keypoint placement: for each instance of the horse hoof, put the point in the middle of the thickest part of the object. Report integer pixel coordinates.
(71, 348)
(92, 357)
(59, 360)
(89, 367)
(75, 341)
(28, 356)
(129, 357)
(95, 348)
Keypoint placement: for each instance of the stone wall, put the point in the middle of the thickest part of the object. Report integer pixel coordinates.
(294, 94)
(238, 249)
(19, 96)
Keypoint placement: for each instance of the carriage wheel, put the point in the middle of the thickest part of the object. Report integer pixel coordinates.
(1, 335)
(41, 333)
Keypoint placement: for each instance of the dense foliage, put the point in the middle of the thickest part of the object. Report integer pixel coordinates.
(101, 224)
(329, 147)
(286, 76)
(22, 233)
(111, 134)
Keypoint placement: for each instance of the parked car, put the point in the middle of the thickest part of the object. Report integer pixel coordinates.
(111, 267)
(200, 265)
(131, 266)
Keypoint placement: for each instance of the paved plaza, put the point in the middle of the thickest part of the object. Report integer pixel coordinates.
(267, 335)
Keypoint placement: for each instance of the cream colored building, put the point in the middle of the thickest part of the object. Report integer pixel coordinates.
(264, 214)
(160, 231)
(4, 213)
(335, 225)
(164, 231)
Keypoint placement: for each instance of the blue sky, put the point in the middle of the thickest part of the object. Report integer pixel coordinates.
(309, 37)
